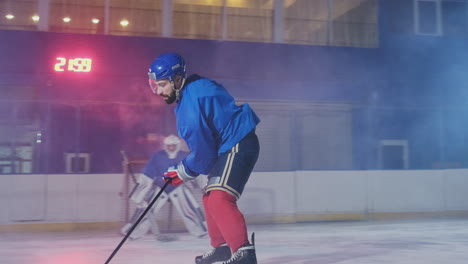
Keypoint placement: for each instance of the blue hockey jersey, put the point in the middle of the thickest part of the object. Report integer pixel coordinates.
(210, 122)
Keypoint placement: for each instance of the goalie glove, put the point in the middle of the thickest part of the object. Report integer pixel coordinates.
(177, 175)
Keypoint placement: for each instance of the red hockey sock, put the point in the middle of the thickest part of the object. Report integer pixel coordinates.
(225, 222)
(213, 231)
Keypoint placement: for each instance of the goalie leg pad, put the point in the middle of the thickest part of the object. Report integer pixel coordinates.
(144, 184)
(189, 210)
(149, 222)
(142, 228)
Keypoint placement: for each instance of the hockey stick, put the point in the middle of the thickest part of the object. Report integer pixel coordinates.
(138, 221)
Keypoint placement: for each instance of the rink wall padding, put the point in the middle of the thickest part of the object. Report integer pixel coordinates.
(94, 201)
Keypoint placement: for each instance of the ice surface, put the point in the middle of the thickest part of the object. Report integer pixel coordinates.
(360, 242)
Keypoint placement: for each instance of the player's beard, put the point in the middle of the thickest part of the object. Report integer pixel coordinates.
(171, 98)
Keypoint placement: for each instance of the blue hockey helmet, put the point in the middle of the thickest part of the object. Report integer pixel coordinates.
(166, 66)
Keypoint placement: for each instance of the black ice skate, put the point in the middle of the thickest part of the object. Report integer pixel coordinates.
(220, 253)
(244, 255)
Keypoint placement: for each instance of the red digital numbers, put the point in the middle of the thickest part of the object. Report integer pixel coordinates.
(73, 65)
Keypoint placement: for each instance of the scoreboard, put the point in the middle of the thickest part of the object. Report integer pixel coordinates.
(73, 64)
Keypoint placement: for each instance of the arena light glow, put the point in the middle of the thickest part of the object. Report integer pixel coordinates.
(124, 22)
(73, 64)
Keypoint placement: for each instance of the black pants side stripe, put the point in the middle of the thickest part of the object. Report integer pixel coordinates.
(230, 161)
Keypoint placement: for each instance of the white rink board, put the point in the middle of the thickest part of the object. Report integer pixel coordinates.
(268, 195)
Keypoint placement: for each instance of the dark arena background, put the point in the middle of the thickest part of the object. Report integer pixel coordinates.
(363, 108)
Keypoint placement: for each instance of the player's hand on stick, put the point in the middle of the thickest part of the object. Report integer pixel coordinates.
(177, 174)
(173, 176)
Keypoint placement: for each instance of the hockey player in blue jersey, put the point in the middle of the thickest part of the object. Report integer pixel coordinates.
(221, 137)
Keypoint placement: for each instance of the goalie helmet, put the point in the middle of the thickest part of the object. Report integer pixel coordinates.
(171, 140)
(172, 146)
(166, 66)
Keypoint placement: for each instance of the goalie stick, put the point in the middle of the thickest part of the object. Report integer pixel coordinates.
(130, 171)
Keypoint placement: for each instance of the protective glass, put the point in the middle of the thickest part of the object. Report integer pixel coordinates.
(152, 82)
(153, 86)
